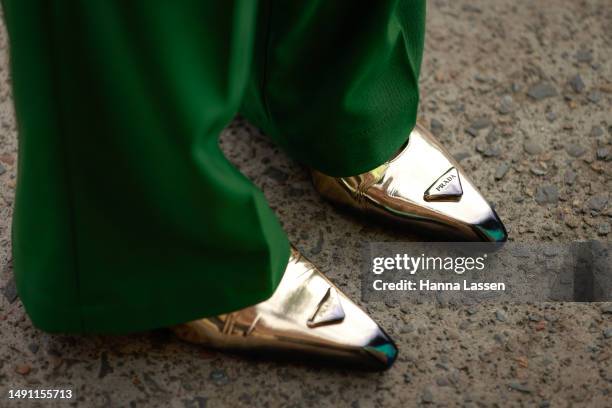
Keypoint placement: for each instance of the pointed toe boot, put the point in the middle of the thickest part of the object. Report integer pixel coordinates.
(307, 319)
(423, 188)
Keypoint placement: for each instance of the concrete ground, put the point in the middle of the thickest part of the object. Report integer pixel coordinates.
(521, 91)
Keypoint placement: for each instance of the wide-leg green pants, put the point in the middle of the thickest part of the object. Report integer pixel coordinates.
(127, 214)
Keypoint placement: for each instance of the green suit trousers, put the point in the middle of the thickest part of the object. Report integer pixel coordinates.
(127, 215)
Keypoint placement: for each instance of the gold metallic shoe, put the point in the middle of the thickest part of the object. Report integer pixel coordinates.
(421, 187)
(307, 317)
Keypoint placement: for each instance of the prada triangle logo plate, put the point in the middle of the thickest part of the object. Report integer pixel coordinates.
(446, 188)
(329, 310)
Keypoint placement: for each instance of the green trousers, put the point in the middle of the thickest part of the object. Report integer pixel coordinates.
(127, 215)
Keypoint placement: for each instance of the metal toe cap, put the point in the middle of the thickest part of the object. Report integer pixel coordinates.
(382, 350)
(492, 229)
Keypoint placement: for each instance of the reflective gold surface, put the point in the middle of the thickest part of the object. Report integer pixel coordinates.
(307, 317)
(423, 188)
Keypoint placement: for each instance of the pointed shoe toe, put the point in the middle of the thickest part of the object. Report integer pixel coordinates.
(307, 318)
(423, 188)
